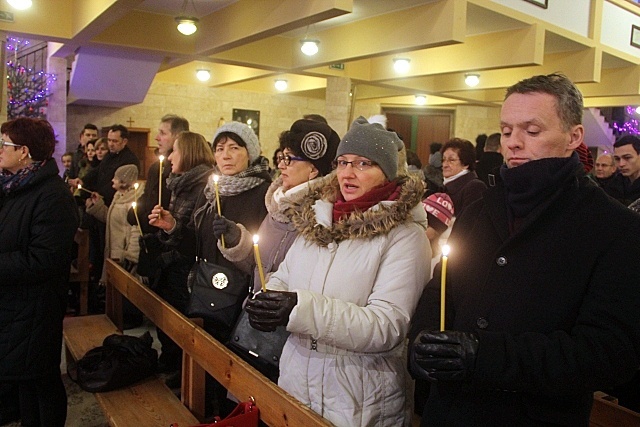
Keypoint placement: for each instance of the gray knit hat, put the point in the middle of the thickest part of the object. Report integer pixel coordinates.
(246, 134)
(374, 142)
(127, 174)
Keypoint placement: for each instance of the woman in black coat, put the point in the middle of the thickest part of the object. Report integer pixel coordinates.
(38, 219)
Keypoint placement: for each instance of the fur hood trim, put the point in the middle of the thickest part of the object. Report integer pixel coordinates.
(277, 210)
(379, 220)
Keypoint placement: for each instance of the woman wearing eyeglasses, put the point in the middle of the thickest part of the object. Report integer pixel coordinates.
(458, 170)
(307, 150)
(38, 219)
(349, 285)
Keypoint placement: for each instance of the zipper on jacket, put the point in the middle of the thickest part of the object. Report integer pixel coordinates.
(314, 342)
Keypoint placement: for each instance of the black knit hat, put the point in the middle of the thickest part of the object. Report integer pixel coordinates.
(314, 141)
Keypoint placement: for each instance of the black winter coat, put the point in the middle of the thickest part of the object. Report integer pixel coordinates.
(100, 180)
(37, 225)
(555, 306)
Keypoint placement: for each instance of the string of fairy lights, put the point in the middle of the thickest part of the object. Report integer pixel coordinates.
(28, 89)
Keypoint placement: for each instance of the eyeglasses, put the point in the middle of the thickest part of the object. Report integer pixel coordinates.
(361, 165)
(287, 159)
(450, 160)
(4, 143)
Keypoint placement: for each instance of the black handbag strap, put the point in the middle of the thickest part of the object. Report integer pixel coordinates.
(197, 224)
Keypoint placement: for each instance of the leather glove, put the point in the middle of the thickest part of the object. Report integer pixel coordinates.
(230, 229)
(443, 356)
(134, 345)
(270, 309)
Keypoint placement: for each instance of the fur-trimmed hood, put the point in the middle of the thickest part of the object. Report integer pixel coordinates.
(312, 215)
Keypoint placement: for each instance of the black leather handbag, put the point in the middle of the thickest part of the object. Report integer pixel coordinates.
(262, 350)
(216, 291)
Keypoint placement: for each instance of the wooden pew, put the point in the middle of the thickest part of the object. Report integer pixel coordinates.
(606, 413)
(277, 408)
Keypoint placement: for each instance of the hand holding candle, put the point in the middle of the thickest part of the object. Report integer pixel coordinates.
(443, 282)
(256, 252)
(215, 186)
(160, 181)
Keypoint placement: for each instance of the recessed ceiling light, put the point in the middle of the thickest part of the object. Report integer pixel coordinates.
(401, 65)
(471, 79)
(203, 74)
(281, 84)
(20, 4)
(421, 99)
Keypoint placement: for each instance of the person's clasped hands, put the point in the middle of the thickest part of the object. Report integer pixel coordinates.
(270, 309)
(230, 230)
(444, 356)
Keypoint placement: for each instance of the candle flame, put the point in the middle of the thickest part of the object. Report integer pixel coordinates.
(133, 205)
(79, 186)
(445, 250)
(161, 158)
(136, 185)
(255, 239)
(215, 178)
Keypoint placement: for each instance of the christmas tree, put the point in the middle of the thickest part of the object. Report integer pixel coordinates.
(27, 88)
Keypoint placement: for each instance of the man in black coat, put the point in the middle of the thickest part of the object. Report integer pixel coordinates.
(490, 161)
(538, 314)
(625, 185)
(119, 155)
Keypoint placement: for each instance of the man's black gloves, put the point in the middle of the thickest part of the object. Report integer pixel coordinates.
(270, 309)
(443, 356)
(230, 229)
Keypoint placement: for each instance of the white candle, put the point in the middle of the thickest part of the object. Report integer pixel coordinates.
(215, 186)
(443, 282)
(256, 252)
(160, 181)
(135, 192)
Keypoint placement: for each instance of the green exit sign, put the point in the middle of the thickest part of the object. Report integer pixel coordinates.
(337, 66)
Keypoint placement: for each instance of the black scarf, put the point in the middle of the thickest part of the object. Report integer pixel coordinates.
(530, 184)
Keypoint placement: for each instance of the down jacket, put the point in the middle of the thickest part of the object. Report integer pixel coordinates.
(358, 282)
(37, 225)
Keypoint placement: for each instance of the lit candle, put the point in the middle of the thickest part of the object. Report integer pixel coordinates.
(256, 252)
(160, 181)
(83, 189)
(215, 186)
(135, 192)
(135, 212)
(443, 282)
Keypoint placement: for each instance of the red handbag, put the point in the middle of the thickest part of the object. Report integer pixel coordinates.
(246, 414)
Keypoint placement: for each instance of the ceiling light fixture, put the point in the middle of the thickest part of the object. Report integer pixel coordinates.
(203, 74)
(421, 99)
(401, 65)
(187, 25)
(20, 4)
(281, 84)
(309, 47)
(472, 79)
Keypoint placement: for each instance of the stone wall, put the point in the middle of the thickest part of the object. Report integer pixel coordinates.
(470, 121)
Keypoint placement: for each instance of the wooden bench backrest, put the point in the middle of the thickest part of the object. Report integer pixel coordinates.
(608, 414)
(277, 408)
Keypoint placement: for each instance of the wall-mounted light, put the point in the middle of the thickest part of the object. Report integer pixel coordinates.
(401, 65)
(421, 99)
(638, 110)
(309, 47)
(20, 4)
(203, 74)
(472, 79)
(187, 25)
(281, 84)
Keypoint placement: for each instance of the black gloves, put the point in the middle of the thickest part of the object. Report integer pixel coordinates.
(443, 356)
(231, 231)
(270, 309)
